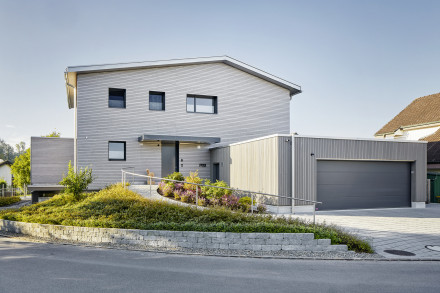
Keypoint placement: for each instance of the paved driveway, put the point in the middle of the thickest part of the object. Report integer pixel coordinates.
(404, 229)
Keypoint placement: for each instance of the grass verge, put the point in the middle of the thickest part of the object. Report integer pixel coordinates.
(5, 201)
(116, 207)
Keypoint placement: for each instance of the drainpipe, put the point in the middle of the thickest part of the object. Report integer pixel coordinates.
(74, 121)
(293, 172)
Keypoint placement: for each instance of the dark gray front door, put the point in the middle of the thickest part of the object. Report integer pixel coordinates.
(170, 157)
(363, 185)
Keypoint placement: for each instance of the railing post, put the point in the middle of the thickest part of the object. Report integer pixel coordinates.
(149, 178)
(314, 212)
(197, 195)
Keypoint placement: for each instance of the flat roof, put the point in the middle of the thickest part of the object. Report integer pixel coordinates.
(181, 138)
(72, 71)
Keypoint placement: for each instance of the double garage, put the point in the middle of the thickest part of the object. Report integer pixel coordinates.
(340, 173)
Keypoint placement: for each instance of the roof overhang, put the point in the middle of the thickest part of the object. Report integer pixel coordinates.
(72, 71)
(180, 138)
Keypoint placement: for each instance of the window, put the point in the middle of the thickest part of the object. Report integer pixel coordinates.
(116, 150)
(157, 101)
(116, 98)
(201, 104)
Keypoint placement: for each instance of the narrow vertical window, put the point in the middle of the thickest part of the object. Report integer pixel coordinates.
(116, 98)
(157, 101)
(116, 150)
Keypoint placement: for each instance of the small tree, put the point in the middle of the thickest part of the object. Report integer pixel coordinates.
(77, 182)
(54, 133)
(21, 169)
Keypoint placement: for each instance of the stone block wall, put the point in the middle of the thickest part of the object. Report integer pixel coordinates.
(175, 239)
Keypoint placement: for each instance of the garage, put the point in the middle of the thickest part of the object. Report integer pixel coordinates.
(363, 184)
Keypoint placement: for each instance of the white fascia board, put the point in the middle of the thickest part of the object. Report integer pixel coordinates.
(358, 138)
(71, 71)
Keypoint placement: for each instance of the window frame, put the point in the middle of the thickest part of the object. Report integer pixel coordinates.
(125, 97)
(125, 150)
(195, 97)
(156, 93)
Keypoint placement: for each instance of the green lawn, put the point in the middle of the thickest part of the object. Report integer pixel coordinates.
(116, 207)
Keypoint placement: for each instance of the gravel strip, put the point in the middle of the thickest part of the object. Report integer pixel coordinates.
(333, 255)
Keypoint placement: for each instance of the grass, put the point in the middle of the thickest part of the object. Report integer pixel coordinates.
(116, 207)
(5, 201)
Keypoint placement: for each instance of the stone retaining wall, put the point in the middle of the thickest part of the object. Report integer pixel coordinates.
(175, 239)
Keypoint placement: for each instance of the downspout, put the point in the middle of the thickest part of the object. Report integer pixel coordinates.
(75, 159)
(293, 172)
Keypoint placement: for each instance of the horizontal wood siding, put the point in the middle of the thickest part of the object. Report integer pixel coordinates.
(50, 157)
(248, 107)
(192, 158)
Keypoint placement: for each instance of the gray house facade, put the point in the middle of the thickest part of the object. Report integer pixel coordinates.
(163, 116)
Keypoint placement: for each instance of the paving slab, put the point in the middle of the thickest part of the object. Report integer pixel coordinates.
(406, 229)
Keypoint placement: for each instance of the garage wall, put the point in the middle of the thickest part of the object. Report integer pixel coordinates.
(263, 165)
(305, 164)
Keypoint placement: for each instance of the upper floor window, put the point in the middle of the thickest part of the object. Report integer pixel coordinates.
(116, 98)
(201, 104)
(157, 101)
(116, 150)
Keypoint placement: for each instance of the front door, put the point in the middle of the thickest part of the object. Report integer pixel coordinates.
(170, 157)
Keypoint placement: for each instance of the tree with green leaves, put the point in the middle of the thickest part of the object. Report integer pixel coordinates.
(21, 169)
(54, 133)
(77, 182)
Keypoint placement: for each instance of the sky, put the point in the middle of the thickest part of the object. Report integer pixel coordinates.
(359, 63)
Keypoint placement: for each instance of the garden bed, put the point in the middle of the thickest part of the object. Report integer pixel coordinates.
(5, 201)
(116, 207)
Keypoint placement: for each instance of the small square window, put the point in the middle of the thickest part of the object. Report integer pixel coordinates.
(157, 101)
(116, 150)
(116, 98)
(201, 104)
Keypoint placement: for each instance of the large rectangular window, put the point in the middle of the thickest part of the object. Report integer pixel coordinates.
(116, 98)
(157, 101)
(116, 150)
(201, 104)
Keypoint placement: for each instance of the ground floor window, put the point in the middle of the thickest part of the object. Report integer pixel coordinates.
(116, 150)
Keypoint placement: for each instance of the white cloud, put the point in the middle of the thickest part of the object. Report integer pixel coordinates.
(10, 126)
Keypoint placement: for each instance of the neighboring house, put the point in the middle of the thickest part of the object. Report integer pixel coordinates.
(5, 171)
(420, 120)
(162, 115)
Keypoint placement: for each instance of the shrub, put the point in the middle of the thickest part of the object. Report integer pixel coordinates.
(203, 202)
(261, 208)
(192, 178)
(245, 203)
(177, 194)
(230, 201)
(5, 201)
(3, 183)
(188, 196)
(160, 186)
(178, 186)
(175, 176)
(21, 169)
(77, 182)
(212, 192)
(168, 190)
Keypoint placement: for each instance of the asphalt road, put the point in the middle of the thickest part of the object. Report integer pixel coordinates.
(41, 267)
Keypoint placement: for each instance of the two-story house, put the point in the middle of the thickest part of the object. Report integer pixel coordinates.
(163, 115)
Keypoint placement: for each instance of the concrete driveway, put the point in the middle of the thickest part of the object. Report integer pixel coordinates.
(405, 229)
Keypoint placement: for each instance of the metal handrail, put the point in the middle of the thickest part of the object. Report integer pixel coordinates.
(232, 189)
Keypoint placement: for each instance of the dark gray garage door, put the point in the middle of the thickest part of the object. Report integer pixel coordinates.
(363, 185)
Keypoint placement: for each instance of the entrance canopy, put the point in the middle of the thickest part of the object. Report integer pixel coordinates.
(180, 138)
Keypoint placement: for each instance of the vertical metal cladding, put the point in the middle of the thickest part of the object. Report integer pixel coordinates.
(261, 165)
(308, 150)
(50, 157)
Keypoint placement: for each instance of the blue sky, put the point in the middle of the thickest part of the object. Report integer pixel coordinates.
(358, 62)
